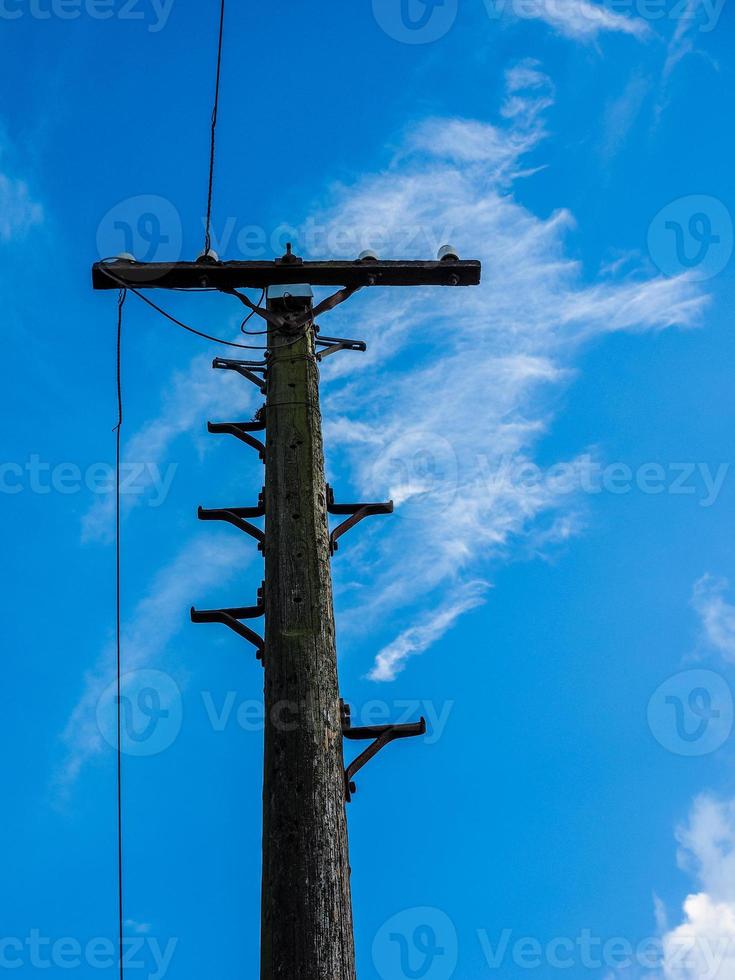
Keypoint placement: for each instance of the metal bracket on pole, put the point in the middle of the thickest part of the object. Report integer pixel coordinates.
(294, 319)
(382, 735)
(248, 369)
(233, 618)
(333, 344)
(240, 431)
(237, 517)
(357, 511)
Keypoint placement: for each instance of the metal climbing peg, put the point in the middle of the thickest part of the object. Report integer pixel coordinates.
(382, 735)
(357, 512)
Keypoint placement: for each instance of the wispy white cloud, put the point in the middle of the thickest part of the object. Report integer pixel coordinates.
(621, 114)
(702, 945)
(458, 383)
(497, 149)
(157, 619)
(390, 661)
(458, 386)
(694, 16)
(707, 846)
(139, 928)
(683, 40)
(19, 211)
(190, 397)
(578, 20)
(717, 614)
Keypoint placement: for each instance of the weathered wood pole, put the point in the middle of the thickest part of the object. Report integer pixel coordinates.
(307, 931)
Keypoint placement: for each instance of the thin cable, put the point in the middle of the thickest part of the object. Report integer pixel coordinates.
(118, 430)
(206, 336)
(215, 109)
(251, 314)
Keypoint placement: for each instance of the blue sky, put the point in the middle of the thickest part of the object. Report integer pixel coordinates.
(556, 591)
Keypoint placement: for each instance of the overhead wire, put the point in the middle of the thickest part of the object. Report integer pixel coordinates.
(200, 333)
(122, 296)
(212, 145)
(118, 638)
(251, 314)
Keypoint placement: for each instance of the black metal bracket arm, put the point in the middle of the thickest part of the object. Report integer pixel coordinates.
(240, 430)
(237, 516)
(333, 344)
(294, 320)
(381, 735)
(233, 618)
(357, 512)
(248, 369)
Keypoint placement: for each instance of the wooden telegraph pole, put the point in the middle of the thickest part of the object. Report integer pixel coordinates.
(307, 931)
(307, 911)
